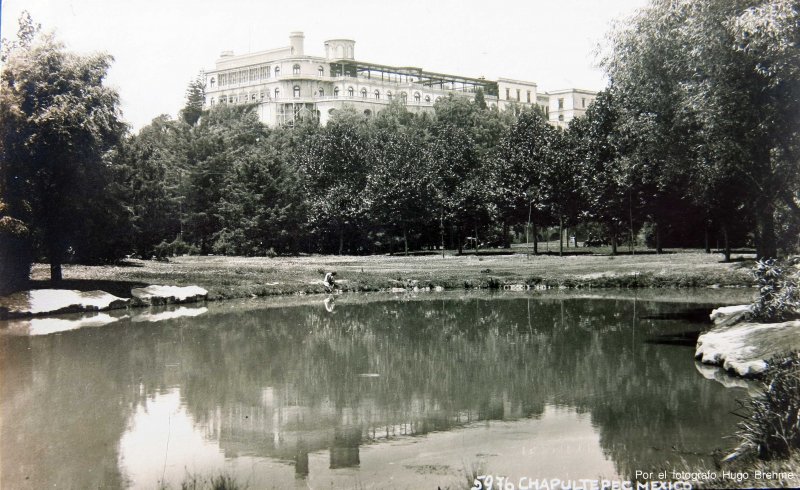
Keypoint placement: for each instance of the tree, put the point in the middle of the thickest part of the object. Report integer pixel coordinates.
(334, 168)
(150, 168)
(516, 171)
(195, 98)
(395, 193)
(57, 121)
(715, 85)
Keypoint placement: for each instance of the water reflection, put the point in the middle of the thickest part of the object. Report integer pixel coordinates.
(267, 393)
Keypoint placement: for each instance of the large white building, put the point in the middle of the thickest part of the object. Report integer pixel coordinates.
(287, 84)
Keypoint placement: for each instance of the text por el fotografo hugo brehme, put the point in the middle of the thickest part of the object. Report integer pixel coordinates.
(643, 480)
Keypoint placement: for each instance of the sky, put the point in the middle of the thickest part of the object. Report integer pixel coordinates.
(159, 46)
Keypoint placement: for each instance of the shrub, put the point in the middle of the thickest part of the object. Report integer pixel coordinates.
(772, 430)
(779, 297)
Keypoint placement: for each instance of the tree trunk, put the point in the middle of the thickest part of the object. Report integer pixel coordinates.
(55, 270)
(659, 250)
(341, 239)
(506, 241)
(458, 239)
(15, 263)
(613, 231)
(707, 239)
(535, 240)
(727, 243)
(441, 228)
(767, 244)
(476, 239)
(405, 239)
(560, 236)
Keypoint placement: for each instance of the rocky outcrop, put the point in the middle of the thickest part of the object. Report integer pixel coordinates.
(743, 347)
(167, 295)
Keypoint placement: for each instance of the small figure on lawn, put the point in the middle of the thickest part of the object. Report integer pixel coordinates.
(329, 281)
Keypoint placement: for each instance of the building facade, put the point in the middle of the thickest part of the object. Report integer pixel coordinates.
(287, 85)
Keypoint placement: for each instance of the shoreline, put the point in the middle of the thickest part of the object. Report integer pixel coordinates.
(249, 277)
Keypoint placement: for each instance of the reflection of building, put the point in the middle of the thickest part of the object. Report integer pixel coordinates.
(287, 84)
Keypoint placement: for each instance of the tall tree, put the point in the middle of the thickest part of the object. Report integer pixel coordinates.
(515, 178)
(195, 98)
(57, 121)
(334, 169)
(720, 100)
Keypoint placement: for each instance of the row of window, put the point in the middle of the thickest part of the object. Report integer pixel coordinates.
(253, 75)
(320, 93)
(519, 95)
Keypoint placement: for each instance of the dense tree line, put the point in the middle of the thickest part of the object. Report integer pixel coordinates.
(694, 143)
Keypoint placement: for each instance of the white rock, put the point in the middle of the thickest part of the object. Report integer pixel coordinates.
(162, 295)
(745, 348)
(728, 315)
(52, 301)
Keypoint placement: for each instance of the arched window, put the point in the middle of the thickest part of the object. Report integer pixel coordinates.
(321, 71)
(336, 91)
(428, 99)
(277, 93)
(416, 97)
(403, 97)
(296, 70)
(212, 101)
(296, 91)
(223, 99)
(377, 94)
(212, 82)
(350, 92)
(389, 95)
(253, 97)
(363, 93)
(321, 92)
(277, 71)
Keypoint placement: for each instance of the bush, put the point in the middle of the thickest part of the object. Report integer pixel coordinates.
(772, 430)
(779, 297)
(176, 247)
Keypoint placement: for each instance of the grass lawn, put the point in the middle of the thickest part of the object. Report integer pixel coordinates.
(230, 277)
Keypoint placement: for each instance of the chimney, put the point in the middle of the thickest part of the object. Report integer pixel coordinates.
(296, 43)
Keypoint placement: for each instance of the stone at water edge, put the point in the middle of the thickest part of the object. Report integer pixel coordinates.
(728, 315)
(53, 301)
(163, 295)
(745, 348)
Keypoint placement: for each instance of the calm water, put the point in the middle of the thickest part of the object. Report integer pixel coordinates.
(378, 392)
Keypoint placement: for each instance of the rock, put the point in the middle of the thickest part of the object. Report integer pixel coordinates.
(728, 315)
(438, 289)
(55, 301)
(165, 295)
(397, 290)
(746, 347)
(514, 287)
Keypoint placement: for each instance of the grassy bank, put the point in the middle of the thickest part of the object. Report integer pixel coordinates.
(236, 277)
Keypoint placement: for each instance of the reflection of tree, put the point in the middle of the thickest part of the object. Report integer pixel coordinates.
(286, 381)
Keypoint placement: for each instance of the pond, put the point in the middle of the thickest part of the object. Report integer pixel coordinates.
(367, 391)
